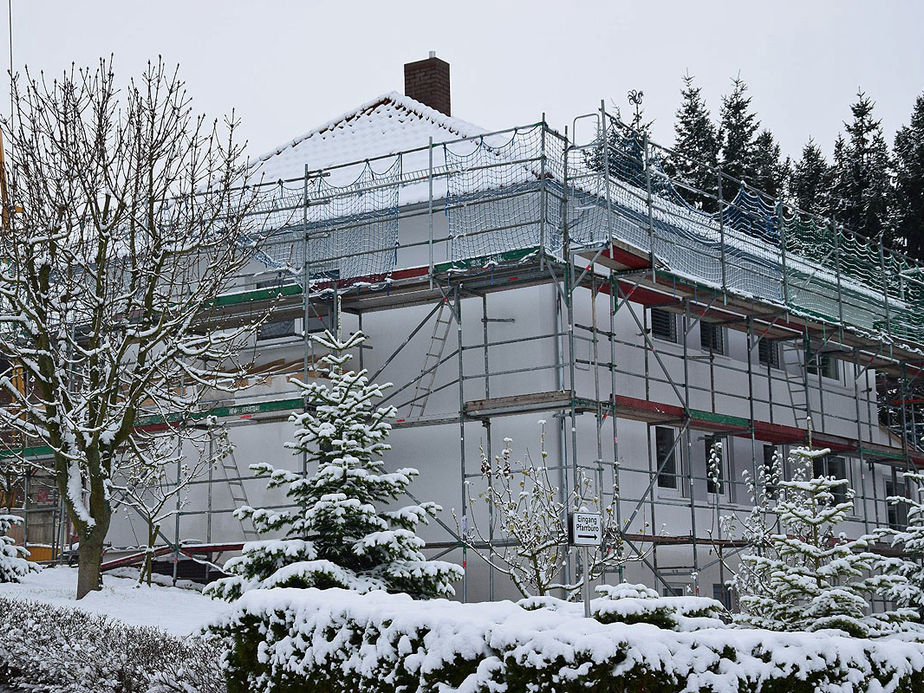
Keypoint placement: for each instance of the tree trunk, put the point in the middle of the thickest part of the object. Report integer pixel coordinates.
(89, 575)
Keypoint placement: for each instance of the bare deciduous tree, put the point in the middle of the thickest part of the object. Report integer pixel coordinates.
(530, 544)
(156, 475)
(124, 223)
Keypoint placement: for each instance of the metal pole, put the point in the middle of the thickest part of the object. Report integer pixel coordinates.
(688, 441)
(543, 206)
(722, 232)
(837, 276)
(586, 571)
(487, 428)
(208, 515)
(464, 508)
(648, 203)
(856, 398)
(306, 302)
(430, 208)
(783, 254)
(616, 489)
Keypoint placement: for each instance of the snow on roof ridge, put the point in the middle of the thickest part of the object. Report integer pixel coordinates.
(456, 126)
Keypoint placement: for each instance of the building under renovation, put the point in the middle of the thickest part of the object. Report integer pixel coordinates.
(526, 275)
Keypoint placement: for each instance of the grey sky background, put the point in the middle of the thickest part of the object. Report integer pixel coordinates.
(287, 67)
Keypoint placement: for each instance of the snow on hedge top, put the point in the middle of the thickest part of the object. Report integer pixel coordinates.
(386, 125)
(319, 625)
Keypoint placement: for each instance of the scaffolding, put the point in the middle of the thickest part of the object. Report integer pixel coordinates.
(599, 219)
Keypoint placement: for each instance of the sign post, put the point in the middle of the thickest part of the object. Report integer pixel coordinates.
(586, 531)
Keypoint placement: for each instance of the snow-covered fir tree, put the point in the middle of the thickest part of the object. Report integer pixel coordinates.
(13, 563)
(805, 575)
(911, 542)
(908, 192)
(811, 181)
(696, 147)
(862, 185)
(338, 535)
(738, 128)
(768, 171)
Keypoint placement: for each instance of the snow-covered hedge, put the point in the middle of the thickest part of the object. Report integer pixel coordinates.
(336, 640)
(51, 648)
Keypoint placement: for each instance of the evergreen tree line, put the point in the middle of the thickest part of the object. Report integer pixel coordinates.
(867, 187)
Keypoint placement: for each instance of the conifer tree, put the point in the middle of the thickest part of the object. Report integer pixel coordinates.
(811, 181)
(908, 194)
(13, 563)
(696, 147)
(862, 187)
(738, 128)
(806, 575)
(768, 171)
(338, 535)
(911, 542)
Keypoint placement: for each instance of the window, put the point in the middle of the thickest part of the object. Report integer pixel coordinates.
(769, 453)
(712, 338)
(674, 590)
(898, 512)
(715, 479)
(276, 328)
(825, 364)
(769, 353)
(663, 325)
(721, 593)
(666, 456)
(833, 467)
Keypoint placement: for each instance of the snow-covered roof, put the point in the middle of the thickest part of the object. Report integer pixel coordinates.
(385, 125)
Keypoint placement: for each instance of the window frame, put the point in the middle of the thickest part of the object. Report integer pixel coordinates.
(663, 476)
(672, 335)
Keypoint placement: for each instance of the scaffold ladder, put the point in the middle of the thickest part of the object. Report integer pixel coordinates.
(435, 350)
(232, 474)
(796, 386)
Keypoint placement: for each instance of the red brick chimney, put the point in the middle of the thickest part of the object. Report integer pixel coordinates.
(427, 81)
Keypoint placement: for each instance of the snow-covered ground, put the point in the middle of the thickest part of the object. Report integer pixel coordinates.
(177, 611)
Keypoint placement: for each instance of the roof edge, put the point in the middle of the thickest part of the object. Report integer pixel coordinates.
(455, 126)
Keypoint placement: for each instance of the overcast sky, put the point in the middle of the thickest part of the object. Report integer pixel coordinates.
(289, 66)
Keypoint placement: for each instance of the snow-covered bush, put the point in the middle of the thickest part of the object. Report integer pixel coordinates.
(13, 563)
(338, 536)
(628, 603)
(337, 641)
(57, 649)
(806, 575)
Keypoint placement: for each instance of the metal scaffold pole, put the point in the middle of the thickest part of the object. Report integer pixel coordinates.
(457, 300)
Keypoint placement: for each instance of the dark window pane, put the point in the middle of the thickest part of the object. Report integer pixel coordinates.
(663, 324)
(712, 338)
(666, 457)
(769, 353)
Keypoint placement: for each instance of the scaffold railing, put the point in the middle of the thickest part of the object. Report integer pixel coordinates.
(531, 188)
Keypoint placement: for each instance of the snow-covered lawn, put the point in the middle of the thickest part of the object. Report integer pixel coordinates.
(177, 611)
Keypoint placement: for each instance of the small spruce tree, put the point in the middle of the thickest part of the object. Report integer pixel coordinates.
(910, 540)
(13, 563)
(338, 536)
(806, 576)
